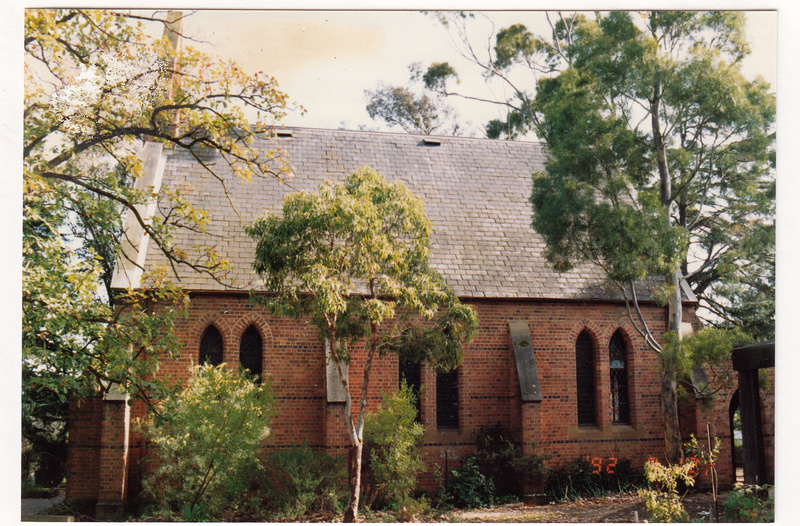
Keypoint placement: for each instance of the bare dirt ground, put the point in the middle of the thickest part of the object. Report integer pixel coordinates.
(619, 508)
(614, 509)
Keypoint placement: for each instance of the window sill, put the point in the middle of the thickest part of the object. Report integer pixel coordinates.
(613, 431)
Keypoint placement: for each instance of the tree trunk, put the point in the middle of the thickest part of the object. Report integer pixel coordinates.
(669, 381)
(669, 415)
(354, 472)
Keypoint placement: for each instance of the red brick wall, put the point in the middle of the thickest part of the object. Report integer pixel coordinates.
(83, 455)
(717, 416)
(489, 391)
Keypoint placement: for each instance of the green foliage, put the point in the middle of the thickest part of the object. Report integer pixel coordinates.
(662, 498)
(578, 479)
(421, 113)
(710, 348)
(701, 452)
(394, 436)
(498, 472)
(363, 235)
(44, 435)
(750, 504)
(512, 472)
(73, 342)
(437, 75)
(300, 479)
(32, 490)
(206, 440)
(467, 487)
(608, 169)
(747, 290)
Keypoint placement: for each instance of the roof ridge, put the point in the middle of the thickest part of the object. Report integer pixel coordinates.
(405, 134)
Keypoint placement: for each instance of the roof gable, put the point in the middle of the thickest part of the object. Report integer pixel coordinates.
(475, 193)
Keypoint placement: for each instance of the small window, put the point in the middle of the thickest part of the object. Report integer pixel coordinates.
(617, 359)
(411, 373)
(584, 367)
(211, 346)
(447, 400)
(250, 352)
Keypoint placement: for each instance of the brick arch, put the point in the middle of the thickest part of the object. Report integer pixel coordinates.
(589, 326)
(263, 328)
(218, 320)
(633, 362)
(627, 334)
(581, 405)
(252, 318)
(630, 337)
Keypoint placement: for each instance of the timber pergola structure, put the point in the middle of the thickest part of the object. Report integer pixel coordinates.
(747, 360)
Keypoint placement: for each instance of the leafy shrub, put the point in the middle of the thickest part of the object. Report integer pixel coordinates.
(301, 479)
(393, 436)
(662, 498)
(748, 503)
(579, 478)
(467, 487)
(206, 439)
(512, 472)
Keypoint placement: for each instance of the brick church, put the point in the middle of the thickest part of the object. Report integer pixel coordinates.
(556, 360)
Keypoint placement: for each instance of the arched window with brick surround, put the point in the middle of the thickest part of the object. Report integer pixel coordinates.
(618, 363)
(211, 346)
(585, 375)
(250, 352)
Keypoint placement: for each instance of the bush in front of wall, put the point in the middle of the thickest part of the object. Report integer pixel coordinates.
(749, 503)
(392, 436)
(300, 479)
(467, 487)
(503, 462)
(205, 441)
(662, 498)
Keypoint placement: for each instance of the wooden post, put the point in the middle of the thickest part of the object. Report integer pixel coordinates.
(747, 361)
(752, 438)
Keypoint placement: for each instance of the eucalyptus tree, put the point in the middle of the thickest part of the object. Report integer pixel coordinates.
(661, 160)
(422, 113)
(354, 257)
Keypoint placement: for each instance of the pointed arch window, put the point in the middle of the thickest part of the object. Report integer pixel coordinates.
(586, 392)
(618, 362)
(250, 352)
(211, 346)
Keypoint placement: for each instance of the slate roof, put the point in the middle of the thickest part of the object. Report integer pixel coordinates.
(475, 193)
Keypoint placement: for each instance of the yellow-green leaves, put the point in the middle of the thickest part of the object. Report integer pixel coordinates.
(358, 251)
(96, 87)
(662, 498)
(206, 435)
(396, 435)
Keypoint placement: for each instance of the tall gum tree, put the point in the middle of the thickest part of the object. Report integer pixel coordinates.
(354, 257)
(661, 159)
(97, 88)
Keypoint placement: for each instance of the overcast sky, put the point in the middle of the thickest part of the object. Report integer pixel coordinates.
(324, 60)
